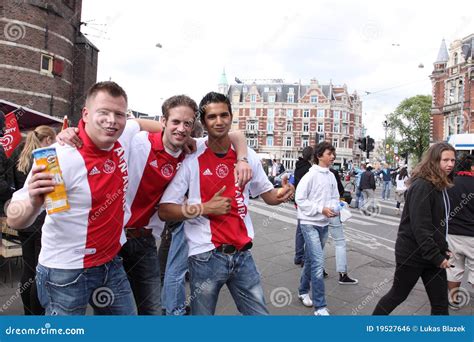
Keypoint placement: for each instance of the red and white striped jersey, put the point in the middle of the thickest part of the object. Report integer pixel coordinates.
(90, 233)
(151, 169)
(204, 173)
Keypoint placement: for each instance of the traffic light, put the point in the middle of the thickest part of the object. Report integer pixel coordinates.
(362, 144)
(370, 144)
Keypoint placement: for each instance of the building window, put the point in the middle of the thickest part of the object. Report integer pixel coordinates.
(335, 142)
(336, 115)
(337, 127)
(270, 113)
(314, 99)
(252, 142)
(289, 126)
(455, 58)
(320, 127)
(289, 141)
(344, 115)
(320, 113)
(306, 113)
(291, 98)
(270, 126)
(271, 98)
(278, 89)
(269, 141)
(244, 89)
(253, 112)
(266, 89)
(289, 113)
(306, 127)
(251, 126)
(305, 142)
(253, 98)
(47, 63)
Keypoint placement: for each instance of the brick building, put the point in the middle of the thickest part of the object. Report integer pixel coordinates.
(453, 90)
(279, 119)
(46, 63)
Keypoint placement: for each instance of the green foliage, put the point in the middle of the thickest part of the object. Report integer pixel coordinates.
(411, 121)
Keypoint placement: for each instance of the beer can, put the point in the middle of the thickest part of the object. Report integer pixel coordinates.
(55, 201)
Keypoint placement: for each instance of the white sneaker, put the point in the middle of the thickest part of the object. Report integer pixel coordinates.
(322, 312)
(306, 300)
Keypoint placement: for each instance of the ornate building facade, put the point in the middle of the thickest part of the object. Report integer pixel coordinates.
(280, 119)
(453, 90)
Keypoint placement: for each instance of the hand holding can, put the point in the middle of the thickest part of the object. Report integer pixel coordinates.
(55, 201)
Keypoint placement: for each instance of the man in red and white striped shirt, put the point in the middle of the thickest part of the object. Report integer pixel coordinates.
(218, 228)
(78, 263)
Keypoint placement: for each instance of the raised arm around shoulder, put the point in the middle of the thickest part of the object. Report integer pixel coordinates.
(151, 126)
(243, 171)
(239, 142)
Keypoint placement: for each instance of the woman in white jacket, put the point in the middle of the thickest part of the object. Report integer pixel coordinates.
(318, 200)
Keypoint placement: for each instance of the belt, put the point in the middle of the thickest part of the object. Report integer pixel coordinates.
(133, 233)
(231, 249)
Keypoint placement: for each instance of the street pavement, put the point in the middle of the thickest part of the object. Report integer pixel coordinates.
(370, 254)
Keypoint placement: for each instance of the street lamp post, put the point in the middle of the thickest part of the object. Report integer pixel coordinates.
(386, 125)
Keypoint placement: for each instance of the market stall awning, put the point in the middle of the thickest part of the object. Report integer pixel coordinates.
(28, 118)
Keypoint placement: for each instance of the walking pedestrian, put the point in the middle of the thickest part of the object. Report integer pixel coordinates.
(421, 249)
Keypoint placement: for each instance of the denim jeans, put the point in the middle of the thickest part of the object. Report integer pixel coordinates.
(336, 230)
(359, 200)
(67, 292)
(299, 245)
(173, 294)
(312, 275)
(386, 189)
(140, 259)
(209, 271)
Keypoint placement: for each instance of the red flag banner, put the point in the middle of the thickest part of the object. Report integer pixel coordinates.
(12, 136)
(65, 123)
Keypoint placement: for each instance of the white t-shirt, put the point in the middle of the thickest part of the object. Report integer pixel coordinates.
(401, 186)
(204, 173)
(90, 233)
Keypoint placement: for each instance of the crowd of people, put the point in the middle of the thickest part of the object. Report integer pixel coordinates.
(132, 182)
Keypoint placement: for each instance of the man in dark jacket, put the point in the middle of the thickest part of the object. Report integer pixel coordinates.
(367, 186)
(461, 231)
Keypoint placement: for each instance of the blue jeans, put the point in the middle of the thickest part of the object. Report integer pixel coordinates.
(209, 271)
(67, 292)
(386, 189)
(173, 295)
(299, 245)
(312, 275)
(336, 230)
(359, 201)
(140, 259)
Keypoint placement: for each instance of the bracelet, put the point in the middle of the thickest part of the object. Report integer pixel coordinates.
(244, 159)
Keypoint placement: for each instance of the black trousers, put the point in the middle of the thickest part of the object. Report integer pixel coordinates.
(435, 282)
(30, 248)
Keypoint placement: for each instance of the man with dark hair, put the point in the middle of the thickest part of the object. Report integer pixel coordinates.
(317, 198)
(217, 225)
(367, 187)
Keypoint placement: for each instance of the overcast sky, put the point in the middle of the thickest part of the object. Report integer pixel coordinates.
(372, 46)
